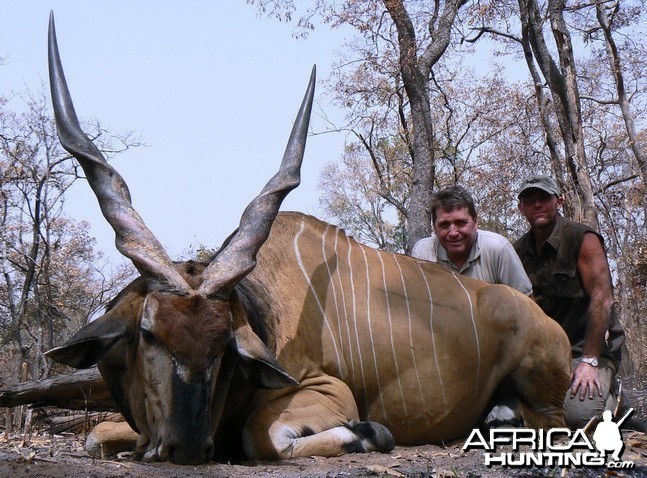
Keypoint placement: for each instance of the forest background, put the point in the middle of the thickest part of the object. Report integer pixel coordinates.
(563, 94)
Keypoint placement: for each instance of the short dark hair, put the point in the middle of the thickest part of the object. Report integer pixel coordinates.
(451, 198)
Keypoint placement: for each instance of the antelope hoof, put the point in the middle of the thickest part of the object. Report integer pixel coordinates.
(371, 436)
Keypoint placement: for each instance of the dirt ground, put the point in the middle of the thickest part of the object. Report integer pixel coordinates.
(62, 456)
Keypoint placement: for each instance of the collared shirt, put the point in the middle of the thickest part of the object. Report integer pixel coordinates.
(557, 286)
(492, 259)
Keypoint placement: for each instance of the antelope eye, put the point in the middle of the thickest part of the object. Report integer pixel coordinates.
(148, 336)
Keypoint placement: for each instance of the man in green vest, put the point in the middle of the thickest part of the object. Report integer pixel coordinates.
(567, 265)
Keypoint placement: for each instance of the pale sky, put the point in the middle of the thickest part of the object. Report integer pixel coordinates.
(212, 88)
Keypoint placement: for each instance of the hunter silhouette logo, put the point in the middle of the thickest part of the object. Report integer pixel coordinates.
(607, 435)
(561, 447)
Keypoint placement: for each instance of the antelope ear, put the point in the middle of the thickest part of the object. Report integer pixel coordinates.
(257, 363)
(90, 343)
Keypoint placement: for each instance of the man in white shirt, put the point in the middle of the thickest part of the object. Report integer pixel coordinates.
(458, 244)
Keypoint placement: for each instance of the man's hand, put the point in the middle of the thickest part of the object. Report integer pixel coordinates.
(585, 377)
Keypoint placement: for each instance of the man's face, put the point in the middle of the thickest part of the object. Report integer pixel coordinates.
(456, 232)
(539, 207)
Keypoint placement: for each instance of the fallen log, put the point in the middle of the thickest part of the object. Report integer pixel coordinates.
(80, 390)
(74, 422)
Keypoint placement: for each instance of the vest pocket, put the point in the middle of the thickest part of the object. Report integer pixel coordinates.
(566, 283)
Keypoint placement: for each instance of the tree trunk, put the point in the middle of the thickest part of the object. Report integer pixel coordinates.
(552, 141)
(613, 55)
(579, 172)
(81, 390)
(562, 83)
(416, 73)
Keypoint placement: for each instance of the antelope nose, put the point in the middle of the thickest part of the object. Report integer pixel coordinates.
(187, 453)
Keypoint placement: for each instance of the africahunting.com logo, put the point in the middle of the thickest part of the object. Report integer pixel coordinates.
(560, 447)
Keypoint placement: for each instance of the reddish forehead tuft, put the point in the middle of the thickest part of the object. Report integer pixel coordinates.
(194, 329)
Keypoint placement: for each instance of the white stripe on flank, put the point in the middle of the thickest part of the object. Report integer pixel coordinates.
(314, 293)
(343, 302)
(332, 285)
(370, 330)
(359, 348)
(514, 296)
(411, 348)
(476, 334)
(433, 336)
(388, 312)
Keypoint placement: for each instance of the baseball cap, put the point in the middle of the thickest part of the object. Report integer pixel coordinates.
(539, 181)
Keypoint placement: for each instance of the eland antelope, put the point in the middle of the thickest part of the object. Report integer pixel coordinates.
(296, 340)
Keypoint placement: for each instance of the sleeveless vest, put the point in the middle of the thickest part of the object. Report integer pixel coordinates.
(557, 287)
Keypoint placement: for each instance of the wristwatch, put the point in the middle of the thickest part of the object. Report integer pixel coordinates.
(592, 361)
